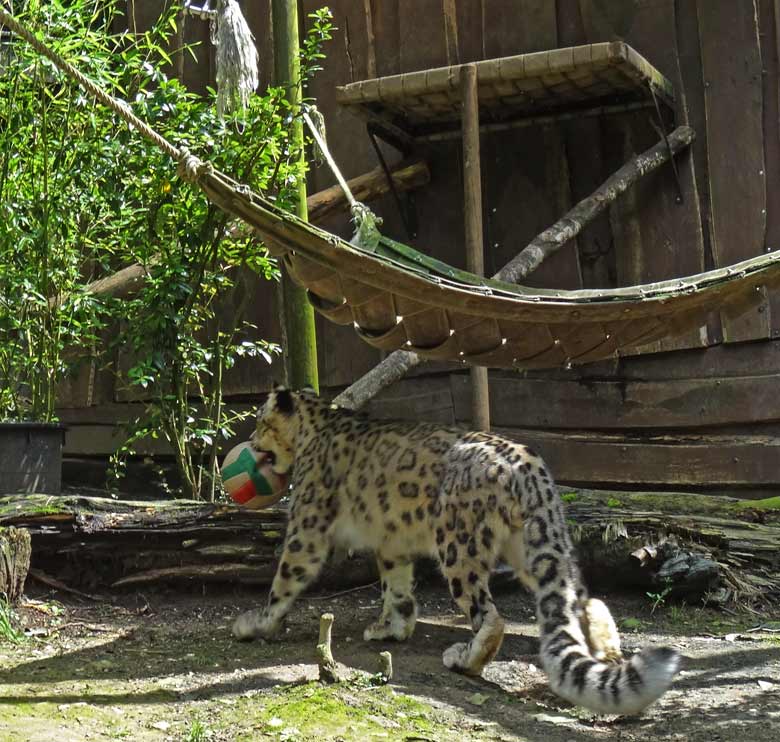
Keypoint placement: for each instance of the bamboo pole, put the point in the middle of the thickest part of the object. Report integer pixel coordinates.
(472, 211)
(300, 342)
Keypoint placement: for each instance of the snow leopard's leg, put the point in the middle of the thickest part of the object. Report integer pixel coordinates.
(399, 608)
(306, 549)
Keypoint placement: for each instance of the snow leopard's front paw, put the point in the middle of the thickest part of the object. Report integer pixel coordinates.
(254, 625)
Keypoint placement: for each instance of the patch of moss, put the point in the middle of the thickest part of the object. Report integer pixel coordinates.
(348, 710)
(768, 503)
(689, 503)
(569, 496)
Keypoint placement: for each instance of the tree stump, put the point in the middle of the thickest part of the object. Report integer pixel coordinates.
(15, 550)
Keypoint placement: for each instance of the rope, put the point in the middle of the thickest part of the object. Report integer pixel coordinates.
(190, 168)
(366, 223)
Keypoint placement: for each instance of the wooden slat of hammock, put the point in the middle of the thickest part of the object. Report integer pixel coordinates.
(398, 298)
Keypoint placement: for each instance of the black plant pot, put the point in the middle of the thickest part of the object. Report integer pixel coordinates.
(31, 458)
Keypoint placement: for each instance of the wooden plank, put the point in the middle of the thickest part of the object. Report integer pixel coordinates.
(656, 237)
(422, 35)
(692, 91)
(121, 413)
(582, 140)
(769, 27)
(623, 404)
(756, 359)
(258, 17)
(385, 21)
(470, 20)
(518, 27)
(526, 177)
(704, 460)
(450, 14)
(428, 399)
(731, 64)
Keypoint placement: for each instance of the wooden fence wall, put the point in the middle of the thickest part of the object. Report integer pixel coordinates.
(700, 410)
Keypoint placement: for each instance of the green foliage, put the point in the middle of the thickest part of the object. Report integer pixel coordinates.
(196, 733)
(9, 631)
(81, 196)
(51, 219)
(659, 598)
(631, 624)
(183, 328)
(569, 496)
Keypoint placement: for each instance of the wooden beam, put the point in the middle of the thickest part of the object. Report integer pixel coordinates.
(406, 176)
(622, 403)
(674, 459)
(472, 212)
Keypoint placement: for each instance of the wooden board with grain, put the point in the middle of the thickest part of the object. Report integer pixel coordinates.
(715, 460)
(587, 170)
(769, 35)
(525, 171)
(621, 404)
(732, 72)
(655, 236)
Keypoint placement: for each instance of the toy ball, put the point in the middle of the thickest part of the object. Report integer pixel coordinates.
(249, 478)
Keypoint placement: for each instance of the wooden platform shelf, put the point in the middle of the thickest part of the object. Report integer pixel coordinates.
(527, 88)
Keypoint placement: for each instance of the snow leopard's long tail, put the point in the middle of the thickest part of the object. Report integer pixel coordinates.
(623, 687)
(574, 662)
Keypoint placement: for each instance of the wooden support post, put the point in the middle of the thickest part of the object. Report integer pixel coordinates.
(300, 342)
(472, 210)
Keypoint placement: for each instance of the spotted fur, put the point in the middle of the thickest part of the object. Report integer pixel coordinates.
(467, 499)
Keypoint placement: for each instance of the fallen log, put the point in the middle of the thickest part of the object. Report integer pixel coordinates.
(95, 543)
(682, 545)
(689, 545)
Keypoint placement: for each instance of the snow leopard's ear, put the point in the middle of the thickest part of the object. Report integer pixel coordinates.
(310, 391)
(283, 400)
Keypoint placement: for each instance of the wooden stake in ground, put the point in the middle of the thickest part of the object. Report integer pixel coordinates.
(328, 667)
(386, 666)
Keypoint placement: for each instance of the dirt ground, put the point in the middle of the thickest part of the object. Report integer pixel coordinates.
(163, 666)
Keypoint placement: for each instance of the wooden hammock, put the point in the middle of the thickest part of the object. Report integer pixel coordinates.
(398, 298)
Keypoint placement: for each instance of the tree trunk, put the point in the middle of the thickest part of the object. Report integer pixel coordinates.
(14, 561)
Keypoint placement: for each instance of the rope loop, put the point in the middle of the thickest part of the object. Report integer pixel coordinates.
(190, 168)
